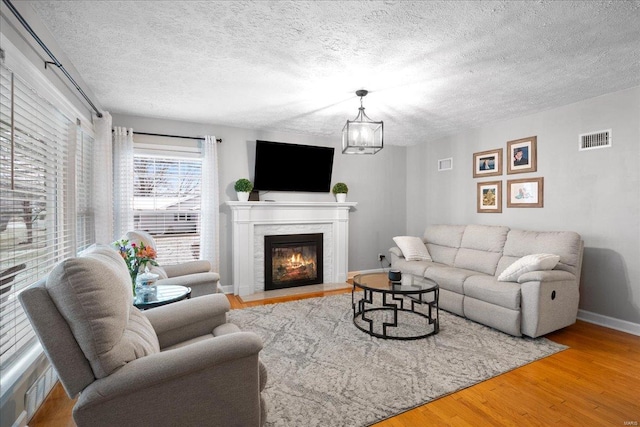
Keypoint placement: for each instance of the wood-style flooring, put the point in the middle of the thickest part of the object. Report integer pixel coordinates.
(596, 382)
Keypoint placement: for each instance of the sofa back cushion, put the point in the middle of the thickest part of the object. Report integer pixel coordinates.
(443, 242)
(566, 244)
(93, 294)
(481, 248)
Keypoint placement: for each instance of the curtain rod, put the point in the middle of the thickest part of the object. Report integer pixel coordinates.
(55, 62)
(200, 138)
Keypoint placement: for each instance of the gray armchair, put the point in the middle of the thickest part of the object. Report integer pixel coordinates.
(194, 274)
(179, 364)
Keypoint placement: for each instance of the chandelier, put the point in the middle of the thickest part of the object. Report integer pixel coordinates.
(362, 135)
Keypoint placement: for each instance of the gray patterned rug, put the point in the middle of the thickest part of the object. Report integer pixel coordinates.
(323, 371)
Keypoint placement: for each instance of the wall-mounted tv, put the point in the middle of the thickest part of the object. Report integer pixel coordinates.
(292, 167)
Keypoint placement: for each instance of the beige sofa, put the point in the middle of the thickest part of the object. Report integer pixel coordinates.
(175, 365)
(468, 259)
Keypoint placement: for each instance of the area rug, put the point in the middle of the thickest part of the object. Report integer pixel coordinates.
(323, 371)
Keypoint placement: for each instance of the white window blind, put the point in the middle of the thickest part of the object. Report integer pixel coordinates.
(34, 181)
(85, 217)
(166, 203)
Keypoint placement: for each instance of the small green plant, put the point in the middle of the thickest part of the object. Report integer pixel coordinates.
(243, 185)
(340, 187)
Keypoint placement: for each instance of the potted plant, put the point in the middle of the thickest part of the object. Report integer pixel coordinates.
(243, 187)
(340, 190)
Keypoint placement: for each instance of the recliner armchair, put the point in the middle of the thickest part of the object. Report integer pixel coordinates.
(194, 274)
(179, 364)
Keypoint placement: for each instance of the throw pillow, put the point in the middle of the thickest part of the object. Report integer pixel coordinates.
(412, 248)
(535, 262)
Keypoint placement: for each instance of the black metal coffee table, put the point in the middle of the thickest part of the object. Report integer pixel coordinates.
(382, 306)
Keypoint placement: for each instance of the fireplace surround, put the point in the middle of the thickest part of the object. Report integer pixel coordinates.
(251, 221)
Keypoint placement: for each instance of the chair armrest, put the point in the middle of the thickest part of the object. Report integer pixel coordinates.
(191, 280)
(190, 267)
(210, 382)
(188, 319)
(396, 251)
(546, 276)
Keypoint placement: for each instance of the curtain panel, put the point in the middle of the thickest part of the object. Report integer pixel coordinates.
(122, 181)
(209, 235)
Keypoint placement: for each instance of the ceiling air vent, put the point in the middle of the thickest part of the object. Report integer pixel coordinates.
(599, 139)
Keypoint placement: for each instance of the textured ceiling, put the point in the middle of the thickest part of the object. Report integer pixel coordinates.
(432, 68)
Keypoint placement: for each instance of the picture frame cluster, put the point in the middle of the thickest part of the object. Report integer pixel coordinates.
(521, 157)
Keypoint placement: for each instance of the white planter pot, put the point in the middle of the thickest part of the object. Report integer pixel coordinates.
(243, 196)
(341, 197)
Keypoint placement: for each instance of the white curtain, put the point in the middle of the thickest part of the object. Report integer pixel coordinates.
(102, 179)
(122, 181)
(210, 211)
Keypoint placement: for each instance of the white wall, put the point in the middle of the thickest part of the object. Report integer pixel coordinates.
(595, 193)
(376, 182)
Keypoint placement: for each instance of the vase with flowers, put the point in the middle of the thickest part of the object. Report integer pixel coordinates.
(137, 258)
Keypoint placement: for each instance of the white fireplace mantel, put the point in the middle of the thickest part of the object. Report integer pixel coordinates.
(253, 220)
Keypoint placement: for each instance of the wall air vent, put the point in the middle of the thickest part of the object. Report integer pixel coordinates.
(593, 140)
(445, 164)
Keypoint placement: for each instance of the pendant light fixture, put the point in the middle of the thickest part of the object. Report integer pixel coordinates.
(362, 135)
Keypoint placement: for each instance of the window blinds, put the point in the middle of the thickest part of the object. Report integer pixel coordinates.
(166, 203)
(36, 194)
(85, 217)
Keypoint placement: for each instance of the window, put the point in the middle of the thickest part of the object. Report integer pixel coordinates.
(166, 203)
(38, 145)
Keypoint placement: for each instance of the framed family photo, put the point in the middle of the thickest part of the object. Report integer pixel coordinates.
(525, 193)
(521, 155)
(487, 163)
(489, 197)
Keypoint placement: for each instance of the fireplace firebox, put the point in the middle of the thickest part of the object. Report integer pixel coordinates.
(292, 260)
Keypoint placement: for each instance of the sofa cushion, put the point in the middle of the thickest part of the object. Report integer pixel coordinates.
(488, 289)
(444, 235)
(479, 261)
(449, 278)
(566, 244)
(93, 294)
(533, 262)
(443, 241)
(487, 238)
(481, 248)
(413, 248)
(417, 268)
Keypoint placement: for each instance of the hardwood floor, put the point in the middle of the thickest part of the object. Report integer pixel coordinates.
(596, 382)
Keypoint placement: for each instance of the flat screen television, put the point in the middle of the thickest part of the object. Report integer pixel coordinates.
(292, 167)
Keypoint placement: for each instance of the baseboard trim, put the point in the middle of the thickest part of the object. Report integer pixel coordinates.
(609, 322)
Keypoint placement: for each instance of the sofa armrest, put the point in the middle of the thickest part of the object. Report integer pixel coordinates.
(549, 301)
(396, 251)
(546, 276)
(188, 319)
(210, 382)
(190, 267)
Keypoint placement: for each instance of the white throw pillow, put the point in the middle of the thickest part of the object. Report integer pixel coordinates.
(535, 262)
(412, 248)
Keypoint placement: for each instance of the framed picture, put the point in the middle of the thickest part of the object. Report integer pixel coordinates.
(490, 197)
(521, 155)
(525, 193)
(487, 163)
